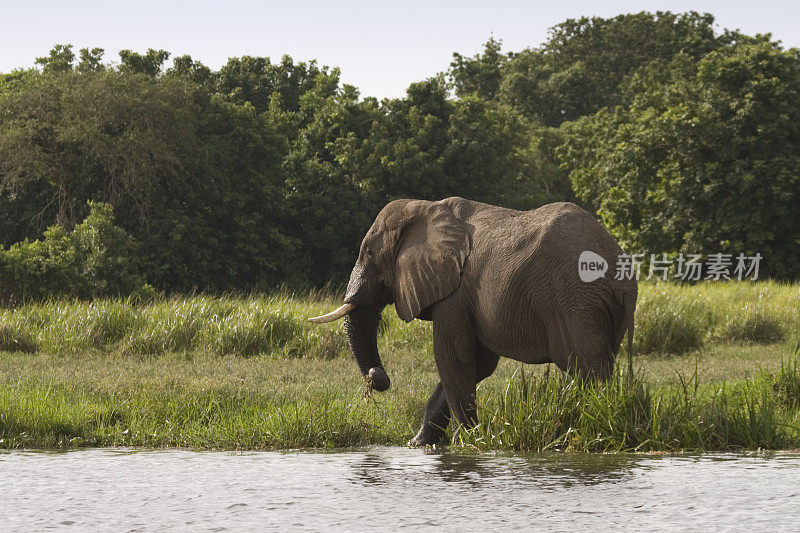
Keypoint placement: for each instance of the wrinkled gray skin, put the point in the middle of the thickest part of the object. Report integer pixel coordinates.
(494, 282)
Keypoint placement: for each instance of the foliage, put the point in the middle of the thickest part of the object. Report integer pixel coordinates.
(267, 172)
(194, 178)
(705, 159)
(581, 67)
(95, 259)
(480, 75)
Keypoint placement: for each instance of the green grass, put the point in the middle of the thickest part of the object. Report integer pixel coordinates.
(251, 373)
(555, 412)
(680, 318)
(249, 326)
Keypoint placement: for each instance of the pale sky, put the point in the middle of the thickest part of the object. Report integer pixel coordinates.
(380, 47)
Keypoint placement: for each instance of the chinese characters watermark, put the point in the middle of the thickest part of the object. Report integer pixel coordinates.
(684, 267)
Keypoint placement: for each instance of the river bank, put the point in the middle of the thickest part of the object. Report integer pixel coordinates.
(248, 373)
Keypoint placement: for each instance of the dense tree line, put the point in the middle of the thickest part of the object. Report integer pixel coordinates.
(680, 138)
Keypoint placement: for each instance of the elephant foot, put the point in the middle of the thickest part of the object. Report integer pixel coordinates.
(427, 436)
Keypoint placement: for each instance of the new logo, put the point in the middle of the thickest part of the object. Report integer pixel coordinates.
(591, 266)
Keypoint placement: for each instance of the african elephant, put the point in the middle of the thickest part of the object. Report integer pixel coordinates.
(494, 281)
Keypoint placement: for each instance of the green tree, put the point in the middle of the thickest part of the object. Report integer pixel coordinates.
(91, 60)
(581, 66)
(149, 63)
(705, 159)
(256, 79)
(326, 205)
(59, 60)
(194, 177)
(480, 74)
(186, 67)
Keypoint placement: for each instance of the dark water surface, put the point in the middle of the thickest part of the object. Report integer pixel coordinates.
(395, 488)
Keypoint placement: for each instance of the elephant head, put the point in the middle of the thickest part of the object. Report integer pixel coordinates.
(412, 256)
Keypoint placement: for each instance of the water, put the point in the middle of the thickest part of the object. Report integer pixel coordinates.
(395, 488)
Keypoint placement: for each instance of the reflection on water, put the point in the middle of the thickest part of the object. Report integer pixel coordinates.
(558, 470)
(393, 488)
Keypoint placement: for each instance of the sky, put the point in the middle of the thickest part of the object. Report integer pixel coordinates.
(380, 47)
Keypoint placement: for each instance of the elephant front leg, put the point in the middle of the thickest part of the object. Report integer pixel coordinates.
(437, 411)
(435, 420)
(454, 348)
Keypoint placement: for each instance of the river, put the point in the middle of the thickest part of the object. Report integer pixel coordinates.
(395, 488)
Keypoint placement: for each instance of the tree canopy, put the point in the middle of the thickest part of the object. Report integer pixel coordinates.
(678, 136)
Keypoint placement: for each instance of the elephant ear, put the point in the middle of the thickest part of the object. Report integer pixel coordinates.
(431, 254)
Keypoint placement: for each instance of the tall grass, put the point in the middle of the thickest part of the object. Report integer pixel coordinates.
(670, 319)
(675, 319)
(556, 412)
(220, 325)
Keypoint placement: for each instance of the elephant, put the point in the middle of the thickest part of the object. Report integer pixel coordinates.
(494, 281)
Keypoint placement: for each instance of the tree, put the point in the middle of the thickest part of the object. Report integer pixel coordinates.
(193, 177)
(581, 66)
(59, 60)
(706, 159)
(481, 74)
(91, 60)
(256, 79)
(149, 64)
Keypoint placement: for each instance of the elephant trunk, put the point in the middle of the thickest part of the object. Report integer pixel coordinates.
(361, 325)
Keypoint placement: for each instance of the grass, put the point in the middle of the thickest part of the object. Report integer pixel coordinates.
(273, 325)
(251, 373)
(678, 319)
(555, 412)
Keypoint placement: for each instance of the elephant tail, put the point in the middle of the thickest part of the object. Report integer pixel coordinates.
(629, 303)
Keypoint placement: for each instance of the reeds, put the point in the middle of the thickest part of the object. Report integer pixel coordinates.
(556, 412)
(220, 325)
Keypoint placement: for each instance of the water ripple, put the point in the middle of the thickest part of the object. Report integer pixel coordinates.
(394, 488)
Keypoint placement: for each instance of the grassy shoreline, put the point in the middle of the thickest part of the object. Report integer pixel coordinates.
(249, 373)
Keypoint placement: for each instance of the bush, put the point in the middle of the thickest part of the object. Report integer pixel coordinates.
(753, 324)
(15, 339)
(95, 259)
(670, 321)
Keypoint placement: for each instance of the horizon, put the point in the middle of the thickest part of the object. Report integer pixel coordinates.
(410, 49)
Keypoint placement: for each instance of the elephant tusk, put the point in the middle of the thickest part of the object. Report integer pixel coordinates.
(333, 315)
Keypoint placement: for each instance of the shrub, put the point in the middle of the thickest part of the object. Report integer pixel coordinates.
(668, 321)
(16, 339)
(95, 259)
(753, 324)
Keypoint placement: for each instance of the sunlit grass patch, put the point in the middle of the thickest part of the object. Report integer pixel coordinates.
(676, 319)
(671, 320)
(557, 412)
(751, 323)
(16, 339)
